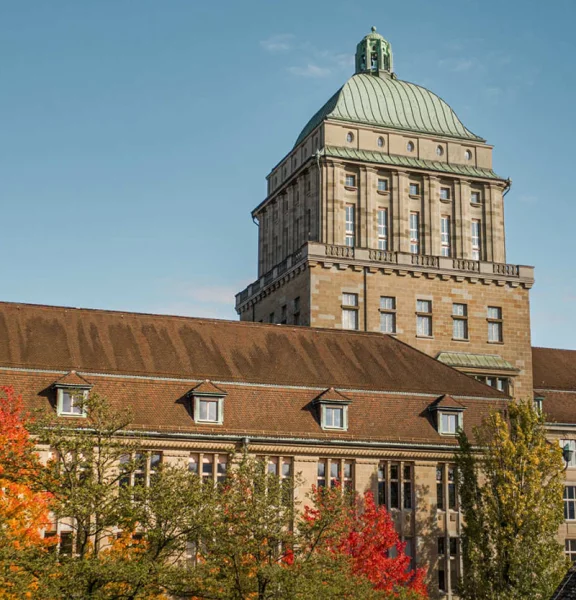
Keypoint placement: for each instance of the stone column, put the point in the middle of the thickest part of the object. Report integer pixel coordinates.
(403, 222)
(463, 220)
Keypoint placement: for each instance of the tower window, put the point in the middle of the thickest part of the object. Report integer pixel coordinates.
(350, 311)
(475, 197)
(495, 324)
(380, 142)
(468, 155)
(424, 318)
(350, 180)
(444, 193)
(414, 189)
(439, 151)
(410, 146)
(476, 240)
(445, 235)
(460, 321)
(414, 232)
(387, 314)
(350, 225)
(349, 137)
(382, 185)
(382, 229)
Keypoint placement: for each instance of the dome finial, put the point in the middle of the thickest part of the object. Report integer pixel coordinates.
(374, 55)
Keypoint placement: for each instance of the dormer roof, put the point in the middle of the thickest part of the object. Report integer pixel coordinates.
(332, 396)
(207, 388)
(72, 380)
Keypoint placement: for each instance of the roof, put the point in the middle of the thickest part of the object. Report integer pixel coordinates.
(567, 589)
(207, 388)
(475, 361)
(554, 369)
(72, 379)
(386, 101)
(108, 342)
(373, 156)
(447, 402)
(332, 395)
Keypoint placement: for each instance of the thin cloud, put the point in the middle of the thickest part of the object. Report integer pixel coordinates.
(457, 65)
(278, 43)
(310, 70)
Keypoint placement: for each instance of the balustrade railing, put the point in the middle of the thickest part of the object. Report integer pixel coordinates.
(463, 264)
(340, 251)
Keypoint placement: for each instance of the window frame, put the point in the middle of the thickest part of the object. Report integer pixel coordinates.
(350, 226)
(476, 239)
(333, 406)
(388, 311)
(458, 318)
(414, 189)
(382, 225)
(569, 502)
(218, 399)
(350, 180)
(423, 316)
(73, 391)
(414, 223)
(495, 323)
(350, 309)
(445, 236)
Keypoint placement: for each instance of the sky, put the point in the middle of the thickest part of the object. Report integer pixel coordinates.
(136, 135)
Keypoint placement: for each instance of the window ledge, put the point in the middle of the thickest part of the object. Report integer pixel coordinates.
(351, 188)
(446, 201)
(198, 422)
(383, 193)
(475, 203)
(414, 196)
(461, 340)
(425, 337)
(496, 343)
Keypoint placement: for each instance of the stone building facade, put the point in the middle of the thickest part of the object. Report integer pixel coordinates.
(387, 216)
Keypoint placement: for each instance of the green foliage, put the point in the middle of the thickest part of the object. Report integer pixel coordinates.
(511, 490)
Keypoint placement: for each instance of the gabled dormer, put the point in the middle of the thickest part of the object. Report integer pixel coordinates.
(72, 392)
(448, 415)
(332, 409)
(207, 403)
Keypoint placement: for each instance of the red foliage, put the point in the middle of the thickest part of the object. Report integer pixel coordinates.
(366, 535)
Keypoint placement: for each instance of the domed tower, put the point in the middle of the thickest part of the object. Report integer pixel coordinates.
(387, 216)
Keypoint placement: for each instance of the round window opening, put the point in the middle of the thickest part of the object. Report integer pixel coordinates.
(350, 137)
(410, 147)
(380, 142)
(467, 155)
(439, 151)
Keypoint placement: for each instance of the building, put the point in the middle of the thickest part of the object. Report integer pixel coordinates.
(386, 215)
(359, 407)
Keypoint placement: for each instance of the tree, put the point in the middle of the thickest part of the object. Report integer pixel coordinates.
(23, 504)
(511, 488)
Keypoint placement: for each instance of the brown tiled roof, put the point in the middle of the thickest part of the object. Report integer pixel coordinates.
(332, 395)
(72, 379)
(447, 402)
(100, 341)
(554, 369)
(164, 406)
(207, 387)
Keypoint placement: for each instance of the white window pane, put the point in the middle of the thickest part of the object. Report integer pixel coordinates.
(459, 310)
(349, 319)
(424, 306)
(387, 322)
(66, 402)
(387, 302)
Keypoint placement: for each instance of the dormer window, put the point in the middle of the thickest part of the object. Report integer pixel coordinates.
(72, 392)
(449, 415)
(208, 403)
(333, 410)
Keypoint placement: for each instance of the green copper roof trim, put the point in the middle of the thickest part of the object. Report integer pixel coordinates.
(475, 361)
(373, 156)
(384, 101)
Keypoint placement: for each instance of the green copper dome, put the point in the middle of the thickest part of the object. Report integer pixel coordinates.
(374, 96)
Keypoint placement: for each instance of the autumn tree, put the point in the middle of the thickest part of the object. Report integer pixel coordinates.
(511, 485)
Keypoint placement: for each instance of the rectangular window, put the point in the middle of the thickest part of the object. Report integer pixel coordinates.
(382, 185)
(283, 315)
(569, 502)
(476, 240)
(297, 310)
(495, 323)
(414, 232)
(350, 225)
(348, 480)
(453, 546)
(210, 467)
(414, 189)
(440, 487)
(441, 580)
(449, 423)
(407, 487)
(444, 193)
(475, 197)
(350, 180)
(387, 314)
(208, 410)
(333, 417)
(382, 484)
(452, 488)
(445, 236)
(271, 318)
(424, 318)
(441, 546)
(350, 311)
(138, 469)
(382, 229)
(460, 321)
(321, 474)
(571, 446)
(394, 486)
(570, 549)
(71, 402)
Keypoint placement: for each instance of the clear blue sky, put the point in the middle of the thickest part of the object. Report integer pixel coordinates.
(135, 135)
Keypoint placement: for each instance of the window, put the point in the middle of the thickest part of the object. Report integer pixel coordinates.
(441, 580)
(382, 483)
(446, 487)
(350, 180)
(467, 155)
(350, 225)
(71, 401)
(440, 488)
(476, 240)
(395, 485)
(439, 151)
(448, 423)
(445, 236)
(445, 193)
(495, 324)
(382, 229)
(387, 314)
(350, 137)
(271, 317)
(283, 315)
(208, 409)
(414, 232)
(210, 467)
(380, 142)
(139, 469)
(407, 487)
(410, 146)
(452, 488)
(459, 321)
(424, 318)
(330, 471)
(349, 311)
(382, 185)
(334, 417)
(504, 384)
(475, 197)
(297, 310)
(571, 446)
(569, 502)
(570, 549)
(414, 189)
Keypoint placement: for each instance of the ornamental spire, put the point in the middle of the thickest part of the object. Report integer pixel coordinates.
(374, 55)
